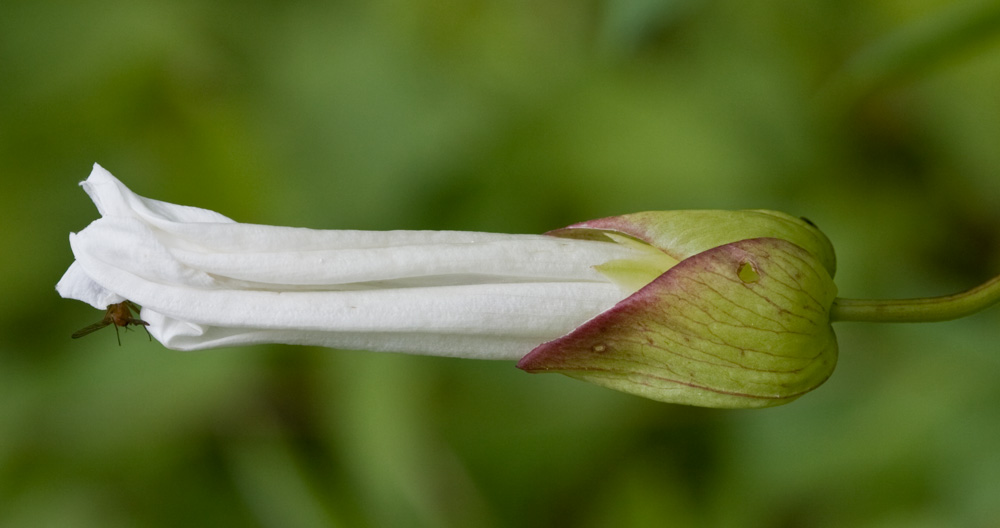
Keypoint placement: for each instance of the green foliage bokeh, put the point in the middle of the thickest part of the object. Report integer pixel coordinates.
(878, 120)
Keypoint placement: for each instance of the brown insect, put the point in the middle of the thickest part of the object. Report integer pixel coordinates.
(117, 315)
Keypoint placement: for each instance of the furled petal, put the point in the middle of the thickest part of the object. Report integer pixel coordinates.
(204, 280)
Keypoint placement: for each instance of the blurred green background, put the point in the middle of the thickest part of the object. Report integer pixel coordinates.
(877, 119)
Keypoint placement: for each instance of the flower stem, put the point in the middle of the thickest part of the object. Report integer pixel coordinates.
(918, 310)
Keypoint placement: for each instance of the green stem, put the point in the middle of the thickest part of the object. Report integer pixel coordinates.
(918, 310)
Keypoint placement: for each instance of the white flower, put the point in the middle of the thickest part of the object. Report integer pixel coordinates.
(204, 281)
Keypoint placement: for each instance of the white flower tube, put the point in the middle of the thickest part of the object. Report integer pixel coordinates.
(205, 281)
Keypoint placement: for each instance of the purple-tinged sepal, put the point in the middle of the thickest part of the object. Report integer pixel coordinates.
(736, 323)
(682, 234)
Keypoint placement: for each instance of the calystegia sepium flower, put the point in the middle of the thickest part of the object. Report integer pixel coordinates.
(711, 308)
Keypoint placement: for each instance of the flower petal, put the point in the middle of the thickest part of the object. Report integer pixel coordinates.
(204, 280)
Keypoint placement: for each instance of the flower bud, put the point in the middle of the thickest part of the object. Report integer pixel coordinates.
(741, 320)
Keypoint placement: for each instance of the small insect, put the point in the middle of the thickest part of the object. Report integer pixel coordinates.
(117, 315)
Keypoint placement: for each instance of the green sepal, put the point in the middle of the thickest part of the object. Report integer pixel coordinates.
(682, 234)
(744, 324)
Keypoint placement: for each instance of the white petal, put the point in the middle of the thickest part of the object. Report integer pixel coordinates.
(204, 281)
(76, 284)
(113, 198)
